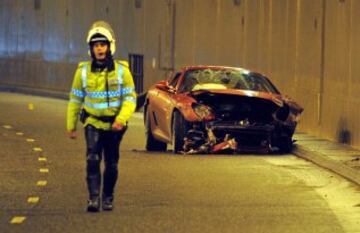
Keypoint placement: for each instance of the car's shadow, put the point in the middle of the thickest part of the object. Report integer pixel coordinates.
(226, 154)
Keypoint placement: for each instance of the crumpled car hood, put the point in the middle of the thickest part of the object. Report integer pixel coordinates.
(276, 99)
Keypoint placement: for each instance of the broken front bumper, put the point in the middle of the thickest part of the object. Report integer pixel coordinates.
(229, 137)
(249, 138)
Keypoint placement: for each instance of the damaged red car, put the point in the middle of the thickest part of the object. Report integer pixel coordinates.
(211, 109)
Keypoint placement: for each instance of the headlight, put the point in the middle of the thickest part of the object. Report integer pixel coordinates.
(203, 112)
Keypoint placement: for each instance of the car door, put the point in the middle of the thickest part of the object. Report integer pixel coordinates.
(163, 109)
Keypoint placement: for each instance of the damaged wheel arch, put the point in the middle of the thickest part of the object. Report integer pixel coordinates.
(179, 129)
(151, 143)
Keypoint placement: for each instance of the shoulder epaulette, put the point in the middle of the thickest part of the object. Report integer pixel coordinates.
(82, 63)
(123, 63)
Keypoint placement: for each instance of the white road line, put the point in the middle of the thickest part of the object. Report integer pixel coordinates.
(19, 133)
(30, 140)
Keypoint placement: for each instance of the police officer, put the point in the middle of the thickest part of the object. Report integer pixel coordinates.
(103, 95)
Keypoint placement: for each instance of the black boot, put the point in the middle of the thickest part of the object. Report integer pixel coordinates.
(109, 181)
(107, 203)
(94, 193)
(93, 204)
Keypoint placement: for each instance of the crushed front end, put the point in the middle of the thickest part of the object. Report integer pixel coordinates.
(240, 123)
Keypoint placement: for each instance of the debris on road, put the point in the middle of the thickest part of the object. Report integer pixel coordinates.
(199, 142)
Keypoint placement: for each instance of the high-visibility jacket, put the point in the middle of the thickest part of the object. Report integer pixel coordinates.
(101, 94)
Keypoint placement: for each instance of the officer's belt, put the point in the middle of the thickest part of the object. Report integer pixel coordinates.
(106, 119)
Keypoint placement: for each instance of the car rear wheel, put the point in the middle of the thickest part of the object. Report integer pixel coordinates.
(179, 129)
(151, 143)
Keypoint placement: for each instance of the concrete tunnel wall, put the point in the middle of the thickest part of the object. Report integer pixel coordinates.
(309, 48)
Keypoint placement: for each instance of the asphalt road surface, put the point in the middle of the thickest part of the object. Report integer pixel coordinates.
(43, 189)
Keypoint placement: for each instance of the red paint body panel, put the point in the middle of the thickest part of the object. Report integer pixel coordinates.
(163, 100)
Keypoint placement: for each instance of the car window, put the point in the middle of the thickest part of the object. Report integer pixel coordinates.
(189, 81)
(225, 79)
(175, 79)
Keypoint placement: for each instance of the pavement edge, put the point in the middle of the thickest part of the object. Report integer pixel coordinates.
(320, 160)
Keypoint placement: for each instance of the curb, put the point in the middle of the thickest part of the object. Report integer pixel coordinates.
(59, 94)
(34, 91)
(320, 160)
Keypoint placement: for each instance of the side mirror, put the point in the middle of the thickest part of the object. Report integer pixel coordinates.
(164, 86)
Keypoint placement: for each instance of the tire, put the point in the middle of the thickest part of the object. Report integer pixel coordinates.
(285, 145)
(180, 128)
(151, 143)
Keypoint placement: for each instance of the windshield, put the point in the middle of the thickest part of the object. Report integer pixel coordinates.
(205, 79)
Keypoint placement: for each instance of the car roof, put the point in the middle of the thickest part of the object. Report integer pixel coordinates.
(201, 67)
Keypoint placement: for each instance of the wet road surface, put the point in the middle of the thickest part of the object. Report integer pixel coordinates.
(43, 187)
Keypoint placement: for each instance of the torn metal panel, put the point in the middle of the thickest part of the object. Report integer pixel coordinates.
(198, 142)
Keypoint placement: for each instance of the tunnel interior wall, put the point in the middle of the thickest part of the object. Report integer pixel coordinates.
(309, 48)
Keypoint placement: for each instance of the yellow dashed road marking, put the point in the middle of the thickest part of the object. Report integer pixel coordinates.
(42, 159)
(37, 149)
(31, 106)
(41, 183)
(17, 219)
(44, 170)
(7, 126)
(33, 200)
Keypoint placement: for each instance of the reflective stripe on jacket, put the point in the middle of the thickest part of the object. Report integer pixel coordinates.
(102, 94)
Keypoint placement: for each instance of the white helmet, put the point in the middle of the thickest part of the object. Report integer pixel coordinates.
(103, 28)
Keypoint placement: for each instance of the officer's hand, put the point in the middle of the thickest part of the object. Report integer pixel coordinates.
(72, 134)
(117, 126)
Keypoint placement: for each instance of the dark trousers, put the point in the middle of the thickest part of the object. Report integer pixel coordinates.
(98, 143)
